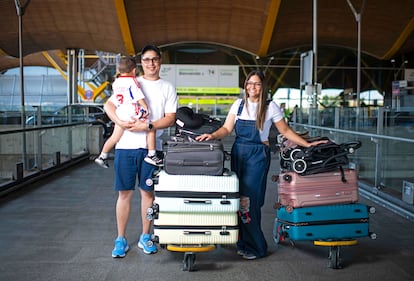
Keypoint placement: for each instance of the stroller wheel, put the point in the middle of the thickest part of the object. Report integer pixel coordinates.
(352, 146)
(296, 154)
(299, 166)
(285, 155)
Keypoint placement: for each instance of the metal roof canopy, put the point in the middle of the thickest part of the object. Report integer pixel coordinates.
(242, 32)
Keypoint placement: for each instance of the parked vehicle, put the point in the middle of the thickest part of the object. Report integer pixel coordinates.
(80, 113)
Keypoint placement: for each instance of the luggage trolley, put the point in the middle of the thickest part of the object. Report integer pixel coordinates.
(334, 253)
(190, 250)
(324, 233)
(190, 253)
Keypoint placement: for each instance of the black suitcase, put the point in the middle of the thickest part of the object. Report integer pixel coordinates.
(194, 158)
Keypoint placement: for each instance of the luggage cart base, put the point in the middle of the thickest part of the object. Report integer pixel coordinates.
(334, 253)
(190, 253)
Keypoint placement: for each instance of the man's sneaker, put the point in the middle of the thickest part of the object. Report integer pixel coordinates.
(154, 160)
(145, 243)
(121, 247)
(103, 162)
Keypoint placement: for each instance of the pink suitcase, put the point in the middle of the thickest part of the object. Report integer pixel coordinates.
(318, 189)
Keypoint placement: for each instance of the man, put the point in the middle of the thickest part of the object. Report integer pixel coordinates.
(131, 149)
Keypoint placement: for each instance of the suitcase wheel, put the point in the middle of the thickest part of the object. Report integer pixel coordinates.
(287, 178)
(277, 232)
(188, 262)
(334, 258)
(275, 178)
(277, 205)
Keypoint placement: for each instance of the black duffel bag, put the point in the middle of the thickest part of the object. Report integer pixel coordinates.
(189, 124)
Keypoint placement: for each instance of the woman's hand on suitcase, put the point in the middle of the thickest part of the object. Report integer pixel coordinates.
(204, 137)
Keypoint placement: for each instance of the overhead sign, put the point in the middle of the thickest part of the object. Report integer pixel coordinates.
(306, 68)
(187, 76)
(208, 90)
(409, 74)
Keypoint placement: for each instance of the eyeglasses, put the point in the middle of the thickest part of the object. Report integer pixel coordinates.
(153, 60)
(255, 84)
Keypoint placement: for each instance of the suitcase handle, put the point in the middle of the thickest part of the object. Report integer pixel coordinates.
(187, 201)
(197, 232)
(185, 163)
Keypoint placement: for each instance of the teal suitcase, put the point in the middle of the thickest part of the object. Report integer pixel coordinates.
(328, 222)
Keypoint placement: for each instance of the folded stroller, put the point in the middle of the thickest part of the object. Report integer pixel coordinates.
(323, 157)
(315, 159)
(286, 147)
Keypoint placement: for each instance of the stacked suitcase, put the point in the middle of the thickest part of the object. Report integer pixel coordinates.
(196, 209)
(196, 198)
(319, 204)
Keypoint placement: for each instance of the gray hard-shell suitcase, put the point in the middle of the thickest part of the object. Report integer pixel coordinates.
(194, 158)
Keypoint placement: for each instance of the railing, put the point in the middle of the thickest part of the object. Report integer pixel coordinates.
(384, 161)
(27, 154)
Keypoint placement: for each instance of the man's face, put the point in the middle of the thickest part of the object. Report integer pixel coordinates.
(151, 64)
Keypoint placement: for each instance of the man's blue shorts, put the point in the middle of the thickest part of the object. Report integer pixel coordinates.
(129, 163)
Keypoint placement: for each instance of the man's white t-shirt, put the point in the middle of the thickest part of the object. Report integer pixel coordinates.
(273, 114)
(161, 98)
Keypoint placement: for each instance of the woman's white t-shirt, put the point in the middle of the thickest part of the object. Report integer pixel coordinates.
(273, 114)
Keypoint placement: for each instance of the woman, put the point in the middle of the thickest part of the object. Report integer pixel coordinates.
(252, 117)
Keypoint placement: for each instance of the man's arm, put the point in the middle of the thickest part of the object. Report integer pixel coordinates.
(140, 125)
(110, 110)
(167, 121)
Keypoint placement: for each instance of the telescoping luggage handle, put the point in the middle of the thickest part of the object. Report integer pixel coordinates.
(179, 146)
(206, 202)
(212, 145)
(223, 232)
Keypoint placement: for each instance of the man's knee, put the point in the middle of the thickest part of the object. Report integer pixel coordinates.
(125, 195)
(147, 195)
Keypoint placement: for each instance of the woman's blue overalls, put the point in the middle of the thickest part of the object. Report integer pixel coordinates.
(250, 160)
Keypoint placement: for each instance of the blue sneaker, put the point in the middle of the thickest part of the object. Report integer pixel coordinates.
(121, 247)
(145, 243)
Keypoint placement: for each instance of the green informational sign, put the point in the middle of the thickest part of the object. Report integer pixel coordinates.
(205, 101)
(208, 90)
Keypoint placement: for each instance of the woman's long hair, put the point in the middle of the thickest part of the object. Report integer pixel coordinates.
(262, 106)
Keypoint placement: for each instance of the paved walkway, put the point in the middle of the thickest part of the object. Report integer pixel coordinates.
(63, 229)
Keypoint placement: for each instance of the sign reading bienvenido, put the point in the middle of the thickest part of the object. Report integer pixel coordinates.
(208, 79)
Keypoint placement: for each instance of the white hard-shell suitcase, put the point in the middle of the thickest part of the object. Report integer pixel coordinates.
(196, 183)
(196, 209)
(203, 203)
(197, 193)
(196, 235)
(196, 219)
